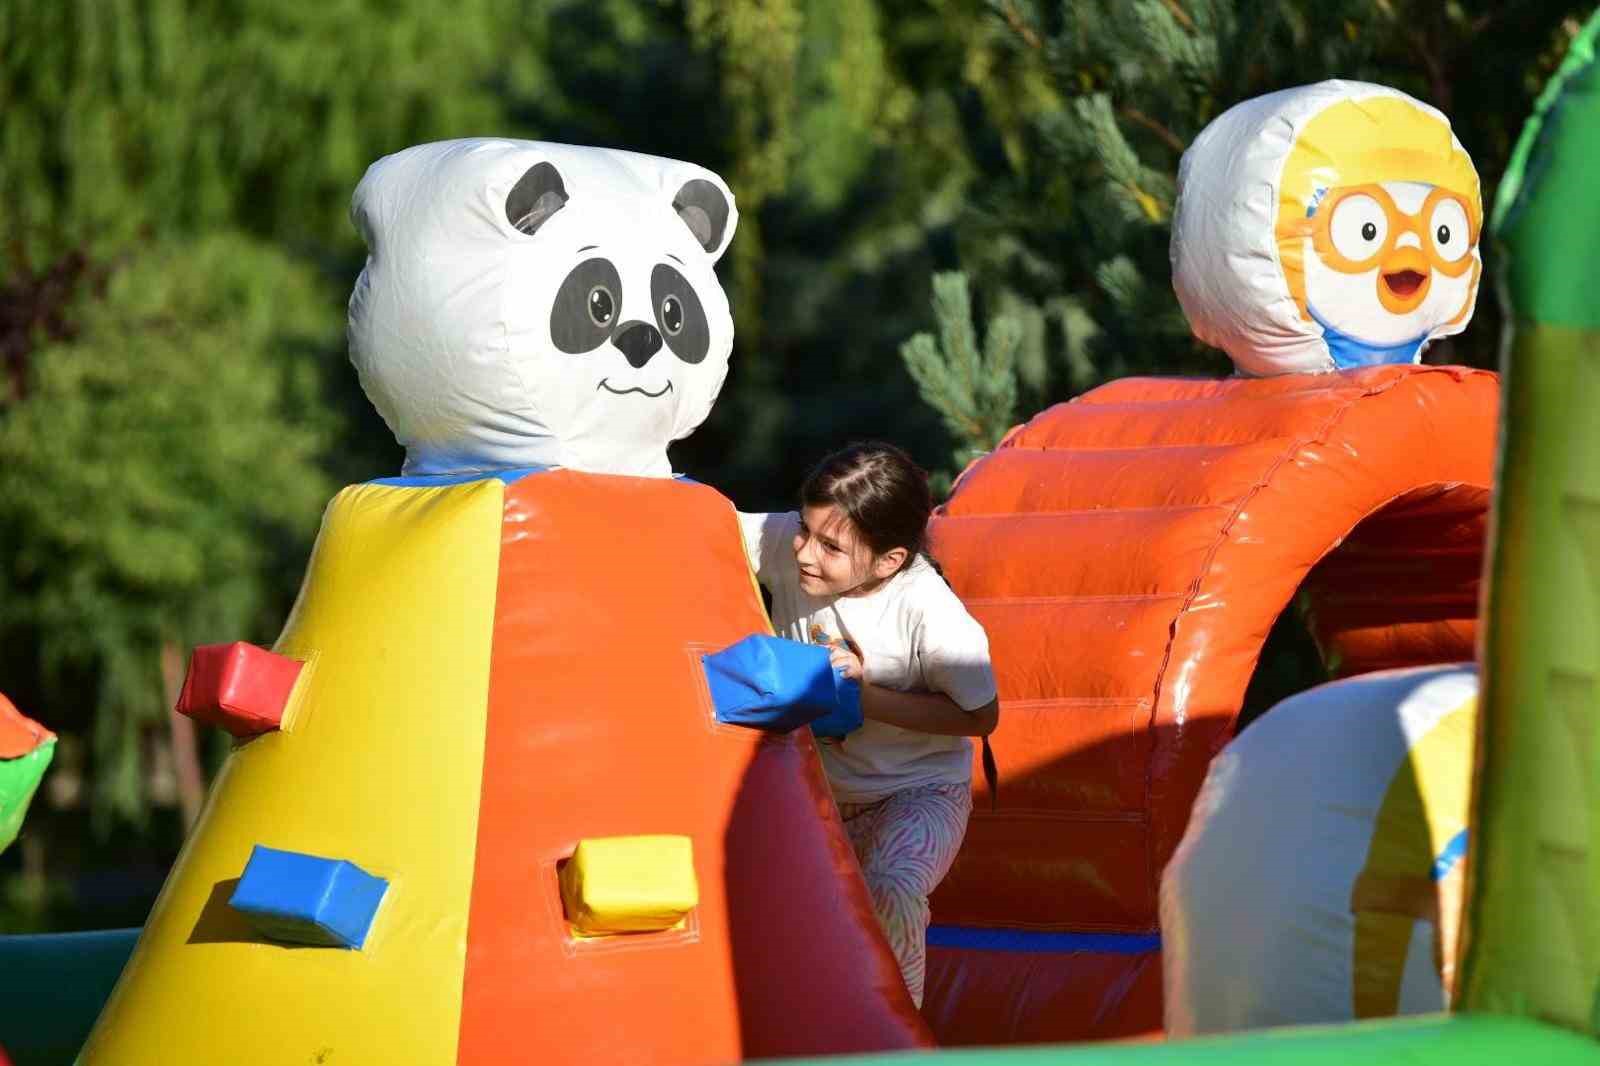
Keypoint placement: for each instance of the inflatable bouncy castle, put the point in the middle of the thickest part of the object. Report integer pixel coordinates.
(1127, 553)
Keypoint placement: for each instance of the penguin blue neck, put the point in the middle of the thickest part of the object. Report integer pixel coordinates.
(1350, 352)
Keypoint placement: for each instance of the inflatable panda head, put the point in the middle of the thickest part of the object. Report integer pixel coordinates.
(1326, 227)
(540, 305)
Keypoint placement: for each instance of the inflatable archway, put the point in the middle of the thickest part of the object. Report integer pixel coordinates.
(1128, 553)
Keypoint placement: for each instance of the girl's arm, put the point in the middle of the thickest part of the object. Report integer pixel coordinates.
(927, 712)
(921, 712)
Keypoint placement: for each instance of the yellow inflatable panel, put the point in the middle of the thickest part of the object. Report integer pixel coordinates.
(630, 884)
(382, 767)
(1412, 872)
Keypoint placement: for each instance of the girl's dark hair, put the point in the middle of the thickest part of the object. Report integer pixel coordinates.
(880, 490)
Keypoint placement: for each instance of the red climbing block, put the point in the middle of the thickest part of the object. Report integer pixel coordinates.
(239, 687)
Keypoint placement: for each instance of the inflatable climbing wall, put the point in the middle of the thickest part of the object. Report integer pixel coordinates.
(493, 673)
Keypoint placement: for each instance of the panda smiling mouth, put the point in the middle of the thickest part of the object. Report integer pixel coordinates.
(606, 384)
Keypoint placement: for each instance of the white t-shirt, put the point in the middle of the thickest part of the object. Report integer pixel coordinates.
(914, 635)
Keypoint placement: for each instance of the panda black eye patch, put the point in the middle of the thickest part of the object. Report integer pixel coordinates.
(587, 307)
(679, 316)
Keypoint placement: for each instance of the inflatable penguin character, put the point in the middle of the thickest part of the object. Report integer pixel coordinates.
(1326, 227)
(482, 809)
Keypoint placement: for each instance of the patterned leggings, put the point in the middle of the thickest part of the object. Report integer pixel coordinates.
(906, 843)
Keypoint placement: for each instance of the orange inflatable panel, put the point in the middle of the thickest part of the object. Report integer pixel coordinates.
(1128, 553)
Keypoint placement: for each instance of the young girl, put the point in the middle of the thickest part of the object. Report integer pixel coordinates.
(848, 571)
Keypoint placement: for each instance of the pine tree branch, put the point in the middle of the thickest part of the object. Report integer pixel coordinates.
(1020, 27)
(973, 388)
(1170, 139)
(1180, 14)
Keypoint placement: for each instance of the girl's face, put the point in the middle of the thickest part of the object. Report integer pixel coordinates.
(832, 558)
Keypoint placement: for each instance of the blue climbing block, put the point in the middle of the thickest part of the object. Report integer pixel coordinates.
(305, 899)
(769, 683)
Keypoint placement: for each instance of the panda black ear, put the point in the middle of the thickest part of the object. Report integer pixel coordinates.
(536, 196)
(705, 210)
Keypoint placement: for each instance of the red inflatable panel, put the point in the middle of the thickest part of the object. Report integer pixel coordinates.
(975, 997)
(1128, 553)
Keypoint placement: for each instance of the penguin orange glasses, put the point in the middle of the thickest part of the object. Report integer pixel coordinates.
(1355, 227)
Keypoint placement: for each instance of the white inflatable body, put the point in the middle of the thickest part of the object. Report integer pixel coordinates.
(1320, 877)
(1326, 227)
(540, 305)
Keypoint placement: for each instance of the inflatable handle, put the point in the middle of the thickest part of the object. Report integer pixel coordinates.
(778, 685)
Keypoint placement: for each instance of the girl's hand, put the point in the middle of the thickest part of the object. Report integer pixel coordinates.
(847, 660)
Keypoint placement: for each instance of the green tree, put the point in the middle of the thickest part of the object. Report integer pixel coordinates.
(158, 473)
(191, 116)
(974, 389)
(897, 111)
(176, 406)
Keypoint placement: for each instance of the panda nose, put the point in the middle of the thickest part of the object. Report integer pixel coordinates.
(638, 341)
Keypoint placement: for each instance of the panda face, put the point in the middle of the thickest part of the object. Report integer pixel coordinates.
(585, 315)
(633, 314)
(585, 328)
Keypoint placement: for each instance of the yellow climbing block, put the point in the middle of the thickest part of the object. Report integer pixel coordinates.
(640, 884)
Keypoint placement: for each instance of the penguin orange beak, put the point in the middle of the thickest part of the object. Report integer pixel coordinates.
(1404, 278)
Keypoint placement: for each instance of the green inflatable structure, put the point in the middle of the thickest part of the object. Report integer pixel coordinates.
(1529, 989)
(1533, 913)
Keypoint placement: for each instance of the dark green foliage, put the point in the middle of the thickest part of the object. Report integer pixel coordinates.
(159, 116)
(158, 477)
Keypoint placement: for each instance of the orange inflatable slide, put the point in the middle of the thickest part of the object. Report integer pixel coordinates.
(1128, 553)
